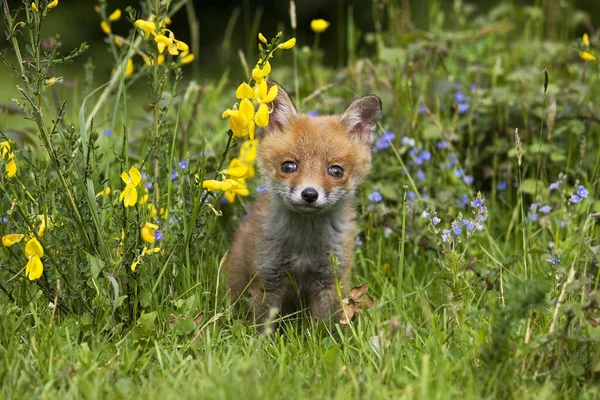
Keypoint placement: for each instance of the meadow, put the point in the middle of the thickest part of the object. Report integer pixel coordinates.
(478, 224)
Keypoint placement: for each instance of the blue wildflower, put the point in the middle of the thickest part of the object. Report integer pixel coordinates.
(411, 195)
(183, 164)
(533, 217)
(459, 173)
(174, 176)
(502, 185)
(426, 156)
(376, 197)
(444, 144)
(534, 207)
(5, 220)
(545, 209)
(460, 97)
(463, 201)
(446, 235)
(556, 185)
(457, 86)
(463, 108)
(158, 234)
(473, 87)
(359, 241)
(421, 109)
(421, 175)
(575, 199)
(313, 113)
(223, 200)
(384, 141)
(477, 203)
(149, 186)
(436, 220)
(457, 230)
(467, 224)
(107, 132)
(261, 189)
(582, 192)
(468, 179)
(553, 260)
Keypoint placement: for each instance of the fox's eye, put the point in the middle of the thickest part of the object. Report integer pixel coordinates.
(335, 171)
(289, 167)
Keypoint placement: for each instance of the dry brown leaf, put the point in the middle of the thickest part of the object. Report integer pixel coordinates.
(357, 301)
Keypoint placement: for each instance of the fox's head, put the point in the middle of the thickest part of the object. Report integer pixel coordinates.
(310, 163)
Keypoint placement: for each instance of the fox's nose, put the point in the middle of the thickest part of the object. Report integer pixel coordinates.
(310, 195)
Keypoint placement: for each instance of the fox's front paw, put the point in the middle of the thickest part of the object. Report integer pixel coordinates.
(325, 306)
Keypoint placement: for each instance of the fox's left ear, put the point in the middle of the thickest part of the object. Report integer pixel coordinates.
(361, 116)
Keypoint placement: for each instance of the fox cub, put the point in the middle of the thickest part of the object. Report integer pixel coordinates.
(312, 167)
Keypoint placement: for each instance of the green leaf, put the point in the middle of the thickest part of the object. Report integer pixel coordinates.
(529, 186)
(96, 265)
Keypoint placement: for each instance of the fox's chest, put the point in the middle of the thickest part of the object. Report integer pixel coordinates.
(305, 247)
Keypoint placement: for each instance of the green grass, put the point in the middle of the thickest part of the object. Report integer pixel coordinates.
(484, 315)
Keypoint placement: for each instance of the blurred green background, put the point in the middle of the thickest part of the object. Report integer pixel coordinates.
(77, 21)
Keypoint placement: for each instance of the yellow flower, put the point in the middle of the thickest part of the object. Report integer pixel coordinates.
(105, 27)
(187, 59)
(147, 251)
(211, 185)
(116, 15)
(244, 91)
(238, 189)
(147, 26)
(288, 44)
(164, 213)
(168, 21)
(144, 199)
(246, 110)
(258, 74)
(53, 4)
(34, 7)
(264, 96)
(586, 40)
(51, 81)
(236, 169)
(152, 210)
(45, 222)
(148, 232)
(319, 25)
(11, 239)
(104, 192)
(262, 115)
(11, 166)
(248, 151)
(131, 180)
(4, 148)
(161, 42)
(129, 68)
(262, 38)
(586, 56)
(135, 263)
(34, 252)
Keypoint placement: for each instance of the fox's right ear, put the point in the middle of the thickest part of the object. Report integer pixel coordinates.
(283, 109)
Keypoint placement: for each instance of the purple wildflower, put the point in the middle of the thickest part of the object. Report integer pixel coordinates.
(502, 185)
(107, 132)
(313, 113)
(463, 108)
(261, 189)
(457, 230)
(174, 176)
(553, 260)
(575, 199)
(468, 179)
(436, 220)
(158, 234)
(556, 185)
(376, 197)
(183, 164)
(582, 192)
(545, 209)
(421, 175)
